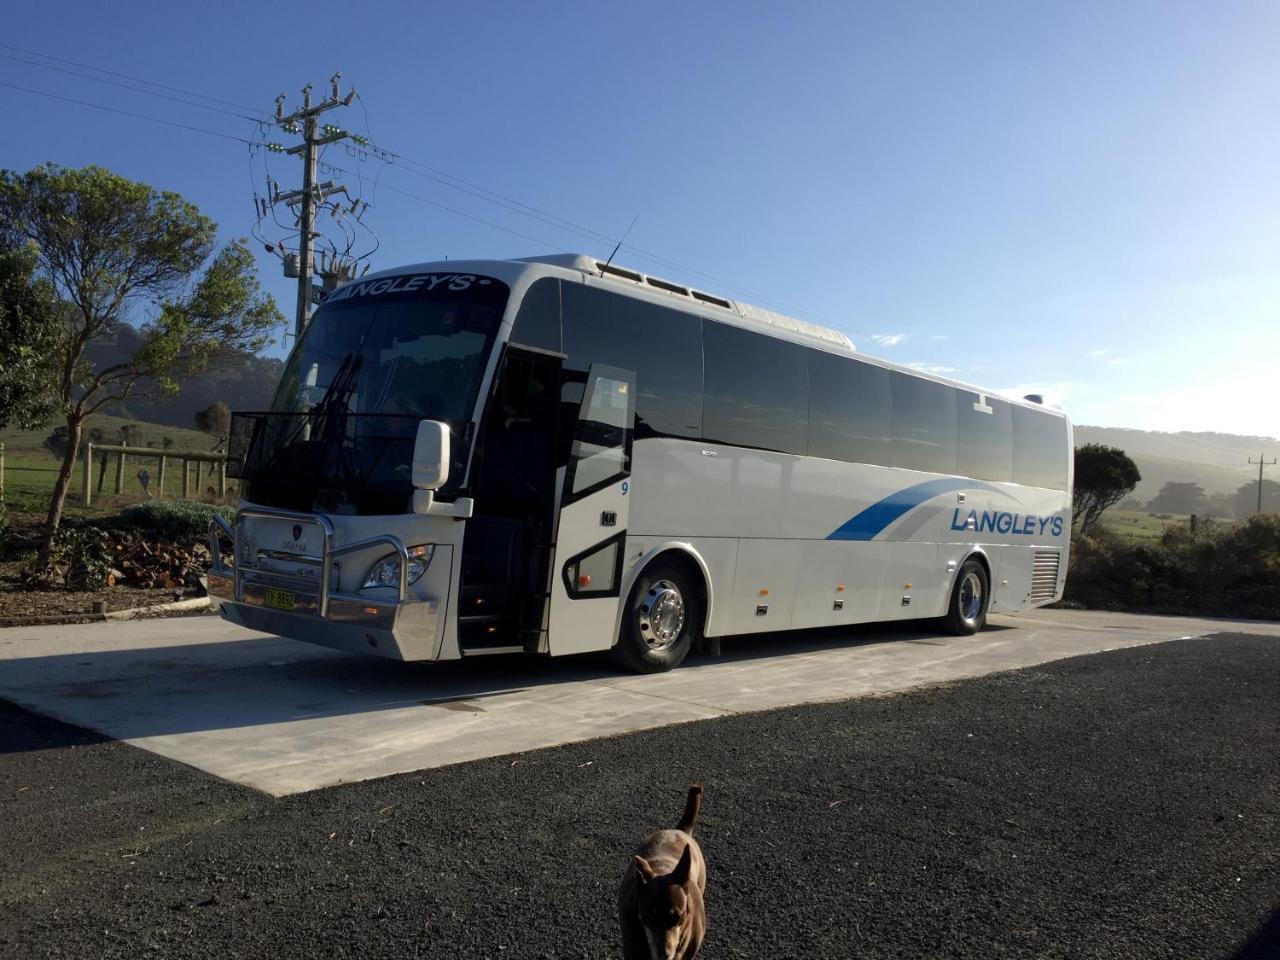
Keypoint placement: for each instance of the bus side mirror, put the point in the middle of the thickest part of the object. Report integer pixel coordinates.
(431, 455)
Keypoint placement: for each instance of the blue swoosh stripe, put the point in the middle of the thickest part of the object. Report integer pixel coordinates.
(873, 520)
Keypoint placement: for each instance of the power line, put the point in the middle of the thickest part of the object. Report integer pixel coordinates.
(127, 113)
(454, 210)
(411, 165)
(125, 86)
(125, 76)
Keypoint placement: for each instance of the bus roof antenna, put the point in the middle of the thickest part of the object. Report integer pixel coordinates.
(619, 246)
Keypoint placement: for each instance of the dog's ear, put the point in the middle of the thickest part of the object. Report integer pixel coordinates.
(681, 873)
(643, 869)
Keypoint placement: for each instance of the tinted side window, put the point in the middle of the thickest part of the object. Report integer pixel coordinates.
(757, 390)
(848, 409)
(986, 437)
(537, 321)
(1039, 449)
(663, 347)
(924, 424)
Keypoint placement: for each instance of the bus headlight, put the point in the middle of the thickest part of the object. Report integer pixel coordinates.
(386, 572)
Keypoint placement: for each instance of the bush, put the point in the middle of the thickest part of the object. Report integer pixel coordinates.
(81, 560)
(6, 532)
(183, 520)
(1227, 571)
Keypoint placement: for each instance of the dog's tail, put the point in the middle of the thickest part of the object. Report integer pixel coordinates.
(692, 805)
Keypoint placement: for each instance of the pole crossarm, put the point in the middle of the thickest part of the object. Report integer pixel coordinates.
(306, 202)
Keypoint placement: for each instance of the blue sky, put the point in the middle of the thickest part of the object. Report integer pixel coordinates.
(1079, 198)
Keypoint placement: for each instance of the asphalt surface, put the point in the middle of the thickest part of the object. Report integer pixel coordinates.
(1124, 804)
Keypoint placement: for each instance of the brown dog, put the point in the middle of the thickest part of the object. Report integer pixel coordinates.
(660, 902)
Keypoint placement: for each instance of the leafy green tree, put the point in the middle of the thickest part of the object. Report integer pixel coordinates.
(109, 246)
(29, 327)
(1103, 477)
(1176, 497)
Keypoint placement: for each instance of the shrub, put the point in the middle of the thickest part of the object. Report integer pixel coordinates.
(171, 519)
(80, 560)
(1220, 570)
(6, 532)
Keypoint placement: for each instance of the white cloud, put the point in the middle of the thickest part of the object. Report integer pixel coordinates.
(935, 368)
(888, 339)
(1117, 361)
(938, 336)
(1099, 353)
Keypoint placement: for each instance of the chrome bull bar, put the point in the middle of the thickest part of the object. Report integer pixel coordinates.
(328, 554)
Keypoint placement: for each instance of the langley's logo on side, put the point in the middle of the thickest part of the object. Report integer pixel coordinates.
(406, 284)
(1001, 521)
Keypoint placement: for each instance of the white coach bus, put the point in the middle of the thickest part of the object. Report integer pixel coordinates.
(558, 456)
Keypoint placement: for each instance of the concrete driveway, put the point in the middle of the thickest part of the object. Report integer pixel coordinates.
(284, 717)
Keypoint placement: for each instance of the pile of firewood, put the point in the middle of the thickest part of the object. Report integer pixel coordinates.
(147, 564)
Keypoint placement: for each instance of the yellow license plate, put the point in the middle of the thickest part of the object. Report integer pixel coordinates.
(279, 599)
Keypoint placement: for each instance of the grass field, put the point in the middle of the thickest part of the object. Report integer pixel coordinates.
(1138, 525)
(31, 469)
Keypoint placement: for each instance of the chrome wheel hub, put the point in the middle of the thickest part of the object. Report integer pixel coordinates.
(971, 597)
(661, 615)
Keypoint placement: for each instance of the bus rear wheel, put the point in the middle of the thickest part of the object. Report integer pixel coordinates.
(970, 598)
(662, 620)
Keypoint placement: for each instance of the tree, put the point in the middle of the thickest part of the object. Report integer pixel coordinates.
(1175, 497)
(29, 327)
(108, 246)
(1244, 502)
(1103, 477)
(131, 435)
(215, 419)
(56, 442)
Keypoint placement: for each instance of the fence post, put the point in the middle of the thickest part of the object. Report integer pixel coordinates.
(222, 476)
(1, 472)
(186, 479)
(160, 476)
(87, 498)
(199, 470)
(119, 473)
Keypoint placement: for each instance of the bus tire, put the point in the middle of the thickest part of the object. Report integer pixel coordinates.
(970, 599)
(662, 620)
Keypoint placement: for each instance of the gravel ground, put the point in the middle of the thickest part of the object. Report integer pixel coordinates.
(1119, 805)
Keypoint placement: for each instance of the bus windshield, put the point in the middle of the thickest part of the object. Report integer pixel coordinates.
(377, 359)
(418, 353)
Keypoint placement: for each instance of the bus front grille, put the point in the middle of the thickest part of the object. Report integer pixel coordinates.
(1044, 574)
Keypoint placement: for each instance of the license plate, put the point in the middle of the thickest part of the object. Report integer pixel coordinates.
(279, 599)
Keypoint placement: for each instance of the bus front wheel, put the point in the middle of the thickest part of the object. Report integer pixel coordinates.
(970, 598)
(663, 618)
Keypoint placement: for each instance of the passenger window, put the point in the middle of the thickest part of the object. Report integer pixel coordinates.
(985, 437)
(1039, 449)
(662, 346)
(848, 409)
(924, 424)
(757, 390)
(601, 452)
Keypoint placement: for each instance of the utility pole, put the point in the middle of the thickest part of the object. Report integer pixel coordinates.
(1262, 461)
(304, 122)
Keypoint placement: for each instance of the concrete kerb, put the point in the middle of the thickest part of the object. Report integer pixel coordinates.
(177, 608)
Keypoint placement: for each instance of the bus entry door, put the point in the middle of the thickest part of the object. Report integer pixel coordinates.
(591, 534)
